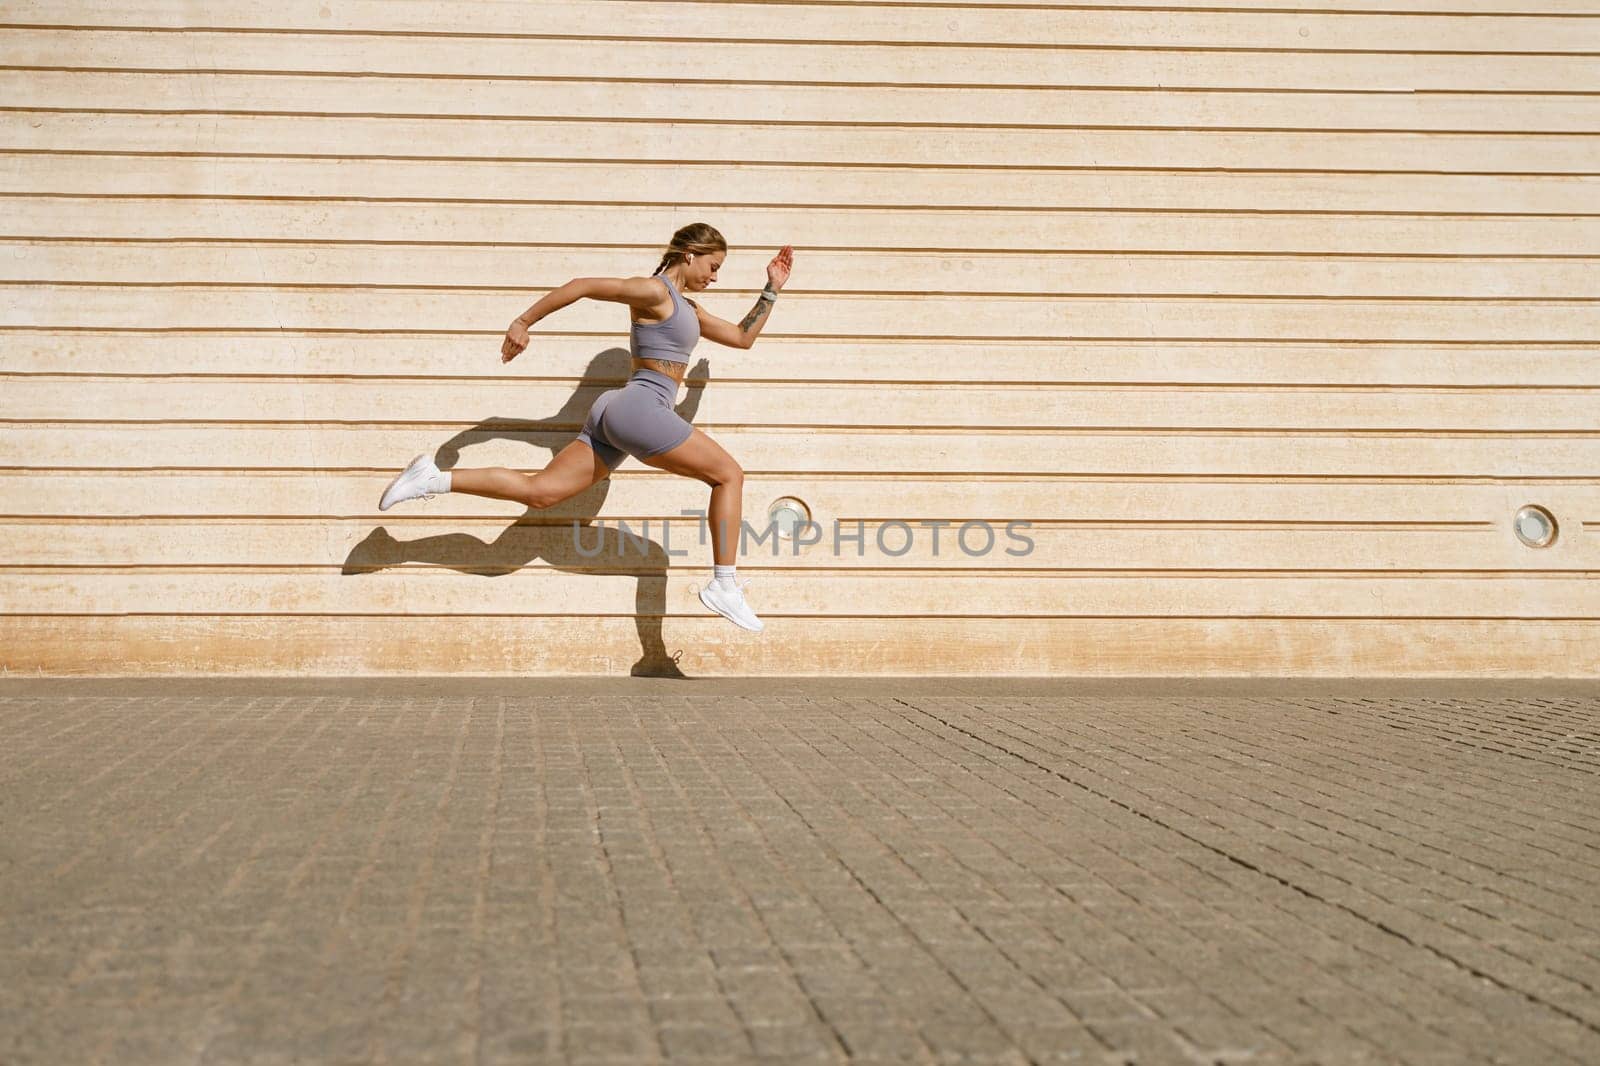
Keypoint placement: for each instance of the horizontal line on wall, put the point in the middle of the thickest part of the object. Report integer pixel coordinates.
(876, 340)
(600, 38)
(1114, 478)
(647, 250)
(810, 428)
(831, 164)
(1421, 11)
(842, 475)
(773, 335)
(816, 429)
(576, 79)
(1176, 431)
(464, 523)
(1176, 9)
(964, 87)
(782, 123)
(835, 294)
(1033, 385)
(456, 522)
(1050, 338)
(731, 205)
(1116, 8)
(523, 616)
(751, 562)
(1053, 384)
(1287, 525)
(1016, 573)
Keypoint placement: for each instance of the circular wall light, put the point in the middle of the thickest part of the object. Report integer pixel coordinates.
(788, 514)
(1535, 526)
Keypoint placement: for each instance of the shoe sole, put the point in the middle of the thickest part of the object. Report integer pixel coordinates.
(718, 610)
(395, 482)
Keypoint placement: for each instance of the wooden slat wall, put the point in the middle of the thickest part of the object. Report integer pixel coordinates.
(1264, 318)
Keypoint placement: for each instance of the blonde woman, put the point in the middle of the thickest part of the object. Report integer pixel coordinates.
(637, 419)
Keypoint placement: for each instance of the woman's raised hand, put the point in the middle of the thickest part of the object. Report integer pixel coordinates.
(778, 269)
(516, 340)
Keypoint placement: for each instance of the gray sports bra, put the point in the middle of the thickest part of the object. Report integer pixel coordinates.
(671, 339)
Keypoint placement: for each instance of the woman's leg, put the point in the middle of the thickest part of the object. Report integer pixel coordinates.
(704, 459)
(574, 468)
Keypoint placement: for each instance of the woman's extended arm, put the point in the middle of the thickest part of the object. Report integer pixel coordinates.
(749, 328)
(638, 293)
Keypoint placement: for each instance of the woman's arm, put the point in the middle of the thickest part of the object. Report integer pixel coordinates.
(749, 328)
(724, 332)
(642, 294)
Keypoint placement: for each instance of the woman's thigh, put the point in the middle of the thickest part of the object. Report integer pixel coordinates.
(698, 457)
(574, 468)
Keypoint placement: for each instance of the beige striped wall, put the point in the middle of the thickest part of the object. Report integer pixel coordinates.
(1266, 316)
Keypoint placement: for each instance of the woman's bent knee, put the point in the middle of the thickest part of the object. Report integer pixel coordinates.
(539, 499)
(534, 492)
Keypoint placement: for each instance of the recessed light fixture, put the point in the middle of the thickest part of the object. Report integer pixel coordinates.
(788, 514)
(1535, 526)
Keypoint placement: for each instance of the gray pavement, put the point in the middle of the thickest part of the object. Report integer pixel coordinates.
(799, 870)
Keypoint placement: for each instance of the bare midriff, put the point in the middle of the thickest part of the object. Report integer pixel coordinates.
(673, 370)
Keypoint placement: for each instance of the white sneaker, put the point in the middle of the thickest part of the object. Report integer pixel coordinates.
(421, 478)
(729, 603)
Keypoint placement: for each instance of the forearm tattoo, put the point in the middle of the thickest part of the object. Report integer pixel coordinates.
(757, 313)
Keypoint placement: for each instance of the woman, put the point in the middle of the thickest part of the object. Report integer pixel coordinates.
(638, 418)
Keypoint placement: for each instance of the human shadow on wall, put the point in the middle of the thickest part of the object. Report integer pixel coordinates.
(549, 534)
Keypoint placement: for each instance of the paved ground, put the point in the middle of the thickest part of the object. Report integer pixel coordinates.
(799, 871)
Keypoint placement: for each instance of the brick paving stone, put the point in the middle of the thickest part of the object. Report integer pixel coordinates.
(897, 870)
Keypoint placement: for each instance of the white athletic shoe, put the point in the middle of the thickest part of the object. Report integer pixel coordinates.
(729, 603)
(421, 478)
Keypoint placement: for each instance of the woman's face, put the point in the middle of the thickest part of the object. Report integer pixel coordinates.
(700, 273)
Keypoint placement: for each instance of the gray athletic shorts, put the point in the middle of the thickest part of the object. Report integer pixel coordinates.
(636, 420)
